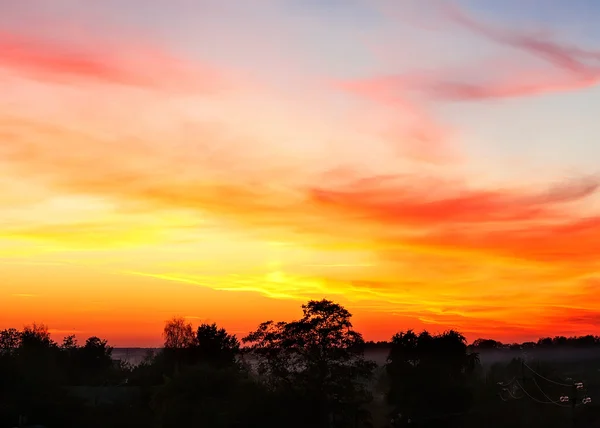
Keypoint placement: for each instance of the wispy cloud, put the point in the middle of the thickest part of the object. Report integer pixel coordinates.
(581, 67)
(130, 65)
(572, 68)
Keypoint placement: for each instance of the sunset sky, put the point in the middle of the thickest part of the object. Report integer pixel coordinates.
(427, 164)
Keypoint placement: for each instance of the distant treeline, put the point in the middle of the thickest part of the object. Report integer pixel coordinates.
(587, 341)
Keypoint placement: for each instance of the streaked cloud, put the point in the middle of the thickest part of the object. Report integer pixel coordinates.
(571, 67)
(133, 65)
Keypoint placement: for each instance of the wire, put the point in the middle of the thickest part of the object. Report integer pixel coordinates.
(536, 400)
(552, 381)
(546, 379)
(544, 394)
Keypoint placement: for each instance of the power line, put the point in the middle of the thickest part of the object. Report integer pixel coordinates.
(546, 395)
(546, 379)
(575, 386)
(535, 399)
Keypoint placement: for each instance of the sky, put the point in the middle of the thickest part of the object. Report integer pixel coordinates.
(427, 164)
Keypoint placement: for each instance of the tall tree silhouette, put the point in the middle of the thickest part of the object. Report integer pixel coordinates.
(179, 340)
(429, 376)
(94, 360)
(320, 358)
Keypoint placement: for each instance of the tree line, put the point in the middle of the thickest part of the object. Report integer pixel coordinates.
(556, 342)
(310, 372)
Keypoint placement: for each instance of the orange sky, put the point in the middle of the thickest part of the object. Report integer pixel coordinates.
(144, 174)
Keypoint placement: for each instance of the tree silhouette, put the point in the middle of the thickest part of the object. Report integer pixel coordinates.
(319, 358)
(69, 342)
(96, 354)
(10, 340)
(179, 339)
(429, 375)
(36, 336)
(94, 360)
(33, 376)
(215, 346)
(178, 334)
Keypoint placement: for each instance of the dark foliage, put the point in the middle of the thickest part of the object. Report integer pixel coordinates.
(429, 376)
(218, 397)
(215, 346)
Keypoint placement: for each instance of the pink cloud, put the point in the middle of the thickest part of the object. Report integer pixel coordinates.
(580, 67)
(564, 56)
(573, 68)
(130, 64)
